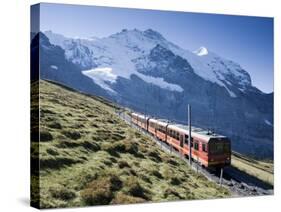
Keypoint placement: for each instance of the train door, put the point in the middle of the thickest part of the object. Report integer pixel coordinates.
(181, 140)
(166, 132)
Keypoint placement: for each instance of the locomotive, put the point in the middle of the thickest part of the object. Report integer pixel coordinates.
(207, 148)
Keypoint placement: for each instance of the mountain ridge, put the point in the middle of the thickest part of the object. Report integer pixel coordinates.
(144, 41)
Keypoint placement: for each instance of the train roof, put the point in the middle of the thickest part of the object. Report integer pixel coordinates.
(196, 131)
(140, 115)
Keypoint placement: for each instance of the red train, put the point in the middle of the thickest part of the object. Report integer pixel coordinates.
(208, 149)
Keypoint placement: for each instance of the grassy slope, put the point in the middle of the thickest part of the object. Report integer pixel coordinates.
(263, 170)
(89, 156)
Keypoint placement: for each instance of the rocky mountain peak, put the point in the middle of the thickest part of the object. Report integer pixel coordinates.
(201, 51)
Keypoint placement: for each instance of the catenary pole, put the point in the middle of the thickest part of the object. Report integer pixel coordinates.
(189, 133)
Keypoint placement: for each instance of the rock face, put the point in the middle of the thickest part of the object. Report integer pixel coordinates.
(144, 71)
(55, 67)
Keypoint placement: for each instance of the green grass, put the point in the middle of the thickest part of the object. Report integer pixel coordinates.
(89, 156)
(263, 170)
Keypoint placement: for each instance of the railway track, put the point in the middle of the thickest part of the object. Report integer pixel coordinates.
(238, 182)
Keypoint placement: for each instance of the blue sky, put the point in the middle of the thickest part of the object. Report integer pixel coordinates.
(244, 39)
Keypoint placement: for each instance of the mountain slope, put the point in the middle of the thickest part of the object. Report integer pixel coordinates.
(143, 70)
(89, 156)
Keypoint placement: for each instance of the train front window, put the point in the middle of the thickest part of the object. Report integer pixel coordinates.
(216, 148)
(227, 147)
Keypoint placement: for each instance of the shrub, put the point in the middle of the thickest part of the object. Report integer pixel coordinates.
(113, 159)
(146, 179)
(99, 196)
(171, 192)
(95, 125)
(62, 193)
(122, 164)
(55, 125)
(154, 155)
(115, 182)
(175, 181)
(67, 144)
(111, 121)
(114, 148)
(103, 134)
(92, 146)
(134, 188)
(52, 152)
(47, 111)
(100, 191)
(45, 135)
(117, 137)
(72, 134)
(56, 163)
(107, 163)
(157, 174)
(78, 126)
(121, 198)
(132, 148)
(172, 162)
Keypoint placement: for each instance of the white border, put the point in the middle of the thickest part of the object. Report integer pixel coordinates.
(14, 113)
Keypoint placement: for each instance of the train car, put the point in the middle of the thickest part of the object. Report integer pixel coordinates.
(152, 126)
(161, 130)
(140, 120)
(208, 149)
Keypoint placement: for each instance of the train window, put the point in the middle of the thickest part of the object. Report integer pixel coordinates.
(219, 147)
(204, 148)
(216, 148)
(186, 139)
(196, 146)
(226, 147)
(173, 133)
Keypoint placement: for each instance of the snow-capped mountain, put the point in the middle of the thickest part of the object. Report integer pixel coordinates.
(143, 70)
(118, 51)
